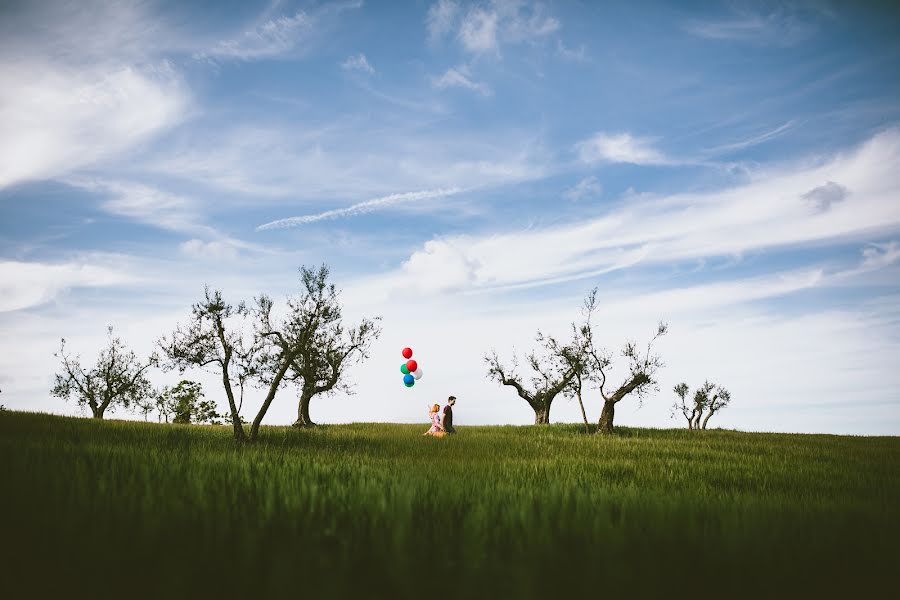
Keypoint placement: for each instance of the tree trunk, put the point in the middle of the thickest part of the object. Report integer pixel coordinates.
(542, 415)
(706, 420)
(273, 389)
(98, 411)
(606, 417)
(697, 420)
(239, 435)
(587, 426)
(303, 419)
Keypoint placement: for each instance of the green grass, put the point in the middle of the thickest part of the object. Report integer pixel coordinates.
(131, 509)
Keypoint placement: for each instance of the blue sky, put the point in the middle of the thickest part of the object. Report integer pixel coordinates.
(469, 171)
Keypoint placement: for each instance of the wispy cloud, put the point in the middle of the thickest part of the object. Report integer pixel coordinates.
(782, 27)
(578, 54)
(271, 38)
(441, 18)
(620, 148)
(361, 208)
(483, 28)
(75, 93)
(26, 284)
(276, 37)
(478, 31)
(768, 212)
(358, 62)
(586, 188)
(754, 140)
(460, 77)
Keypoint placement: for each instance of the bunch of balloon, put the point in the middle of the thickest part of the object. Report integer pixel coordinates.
(411, 370)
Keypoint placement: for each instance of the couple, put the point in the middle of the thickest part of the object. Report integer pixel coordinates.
(441, 426)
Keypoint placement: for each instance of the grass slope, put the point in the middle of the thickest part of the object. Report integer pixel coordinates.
(123, 509)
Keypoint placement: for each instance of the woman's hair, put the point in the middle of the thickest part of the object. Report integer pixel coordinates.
(435, 408)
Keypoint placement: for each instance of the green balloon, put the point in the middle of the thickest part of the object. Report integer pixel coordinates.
(404, 369)
(410, 384)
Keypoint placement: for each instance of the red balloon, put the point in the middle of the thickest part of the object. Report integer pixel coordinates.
(407, 353)
(412, 365)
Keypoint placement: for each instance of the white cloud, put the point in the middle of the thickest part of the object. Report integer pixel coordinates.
(85, 87)
(361, 208)
(620, 148)
(460, 77)
(767, 212)
(27, 284)
(578, 54)
(484, 27)
(271, 38)
(783, 27)
(586, 188)
(56, 120)
(478, 32)
(358, 62)
(215, 250)
(441, 18)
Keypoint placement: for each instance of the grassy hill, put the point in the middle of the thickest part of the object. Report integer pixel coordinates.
(123, 509)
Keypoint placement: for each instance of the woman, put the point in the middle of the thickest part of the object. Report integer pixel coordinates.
(436, 429)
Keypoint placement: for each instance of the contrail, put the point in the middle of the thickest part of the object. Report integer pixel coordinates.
(361, 208)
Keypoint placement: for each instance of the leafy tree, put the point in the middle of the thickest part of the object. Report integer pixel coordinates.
(185, 403)
(325, 347)
(309, 345)
(215, 338)
(552, 373)
(117, 380)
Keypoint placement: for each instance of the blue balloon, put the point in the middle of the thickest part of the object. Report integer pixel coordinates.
(408, 379)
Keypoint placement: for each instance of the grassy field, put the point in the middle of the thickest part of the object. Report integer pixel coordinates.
(130, 509)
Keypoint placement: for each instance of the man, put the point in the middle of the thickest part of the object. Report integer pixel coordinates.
(447, 419)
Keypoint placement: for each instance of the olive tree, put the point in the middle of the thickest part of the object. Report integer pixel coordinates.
(552, 372)
(118, 379)
(313, 341)
(708, 399)
(322, 363)
(598, 363)
(215, 338)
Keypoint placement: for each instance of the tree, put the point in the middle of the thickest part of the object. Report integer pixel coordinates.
(185, 403)
(552, 374)
(325, 348)
(214, 338)
(701, 401)
(594, 364)
(709, 398)
(681, 390)
(117, 380)
(311, 342)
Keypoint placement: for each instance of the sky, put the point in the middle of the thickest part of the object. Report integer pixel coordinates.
(469, 172)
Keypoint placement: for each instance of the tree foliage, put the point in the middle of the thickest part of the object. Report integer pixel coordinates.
(550, 374)
(216, 338)
(118, 379)
(326, 348)
(707, 400)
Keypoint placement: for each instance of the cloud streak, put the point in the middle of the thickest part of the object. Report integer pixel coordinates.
(360, 208)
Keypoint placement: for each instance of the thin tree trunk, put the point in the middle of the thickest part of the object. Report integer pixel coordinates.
(239, 434)
(587, 426)
(706, 420)
(542, 415)
(697, 420)
(273, 389)
(606, 417)
(303, 419)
